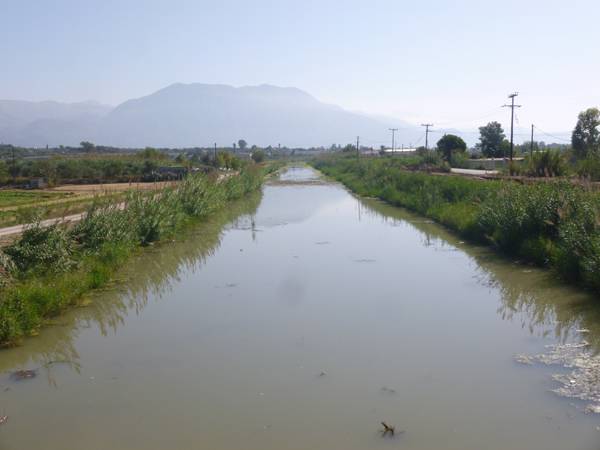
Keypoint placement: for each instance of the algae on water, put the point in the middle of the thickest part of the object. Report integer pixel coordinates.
(582, 381)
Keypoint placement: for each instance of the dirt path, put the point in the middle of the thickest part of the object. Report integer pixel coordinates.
(18, 229)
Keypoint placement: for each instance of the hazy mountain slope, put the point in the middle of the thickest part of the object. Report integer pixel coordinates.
(186, 115)
(198, 114)
(53, 123)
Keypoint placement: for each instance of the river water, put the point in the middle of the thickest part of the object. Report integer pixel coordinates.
(300, 318)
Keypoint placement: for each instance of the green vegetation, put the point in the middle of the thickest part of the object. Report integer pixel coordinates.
(9, 198)
(149, 164)
(50, 268)
(547, 163)
(450, 146)
(552, 224)
(492, 142)
(586, 135)
(258, 156)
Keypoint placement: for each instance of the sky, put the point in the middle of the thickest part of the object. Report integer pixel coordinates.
(450, 63)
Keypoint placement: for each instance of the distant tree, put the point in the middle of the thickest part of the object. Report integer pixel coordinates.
(525, 147)
(349, 148)
(258, 156)
(149, 168)
(206, 159)
(87, 146)
(450, 144)
(491, 140)
(586, 135)
(242, 144)
(152, 153)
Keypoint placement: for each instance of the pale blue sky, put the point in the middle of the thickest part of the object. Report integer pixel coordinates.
(448, 62)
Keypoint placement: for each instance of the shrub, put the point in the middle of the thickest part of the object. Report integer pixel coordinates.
(549, 163)
(589, 168)
(42, 249)
(7, 269)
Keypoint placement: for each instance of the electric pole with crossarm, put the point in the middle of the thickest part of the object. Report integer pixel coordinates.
(512, 107)
(426, 125)
(393, 130)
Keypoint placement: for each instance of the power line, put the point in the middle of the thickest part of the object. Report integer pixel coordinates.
(552, 136)
(512, 107)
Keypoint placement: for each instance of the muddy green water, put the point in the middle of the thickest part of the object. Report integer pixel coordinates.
(300, 319)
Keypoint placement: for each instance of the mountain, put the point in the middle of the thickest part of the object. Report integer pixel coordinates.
(40, 123)
(186, 115)
(183, 115)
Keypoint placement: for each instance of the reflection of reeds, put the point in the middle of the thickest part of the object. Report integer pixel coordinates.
(56, 265)
(553, 224)
(149, 273)
(543, 305)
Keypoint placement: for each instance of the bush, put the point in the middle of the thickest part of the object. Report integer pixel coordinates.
(42, 249)
(549, 163)
(7, 269)
(589, 168)
(258, 156)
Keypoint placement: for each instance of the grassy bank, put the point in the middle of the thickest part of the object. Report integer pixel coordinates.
(556, 225)
(50, 268)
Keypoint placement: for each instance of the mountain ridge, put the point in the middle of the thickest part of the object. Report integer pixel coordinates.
(200, 114)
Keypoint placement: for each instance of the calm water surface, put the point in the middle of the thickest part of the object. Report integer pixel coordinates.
(300, 319)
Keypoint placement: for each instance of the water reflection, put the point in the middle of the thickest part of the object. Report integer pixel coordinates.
(535, 297)
(150, 274)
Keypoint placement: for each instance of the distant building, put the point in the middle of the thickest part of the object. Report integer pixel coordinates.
(37, 183)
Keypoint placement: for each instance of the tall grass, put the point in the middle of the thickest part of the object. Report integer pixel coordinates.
(556, 225)
(50, 268)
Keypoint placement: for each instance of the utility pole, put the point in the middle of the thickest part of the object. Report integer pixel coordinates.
(393, 130)
(512, 107)
(215, 151)
(357, 147)
(426, 125)
(14, 163)
(531, 143)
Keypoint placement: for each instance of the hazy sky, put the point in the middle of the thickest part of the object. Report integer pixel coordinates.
(447, 62)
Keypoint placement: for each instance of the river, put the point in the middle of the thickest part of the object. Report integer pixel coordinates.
(301, 318)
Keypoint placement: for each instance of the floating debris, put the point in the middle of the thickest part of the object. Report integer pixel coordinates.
(389, 430)
(3, 419)
(524, 359)
(323, 373)
(388, 390)
(24, 374)
(592, 409)
(583, 382)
